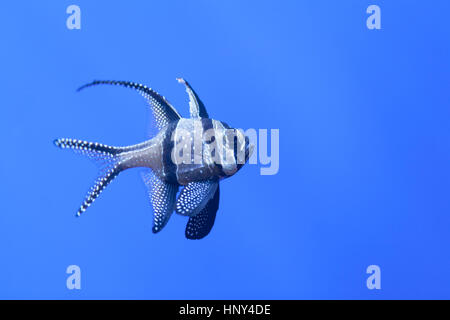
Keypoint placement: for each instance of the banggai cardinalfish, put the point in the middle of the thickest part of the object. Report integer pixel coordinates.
(192, 154)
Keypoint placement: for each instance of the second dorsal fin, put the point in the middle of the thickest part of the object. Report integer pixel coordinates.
(162, 110)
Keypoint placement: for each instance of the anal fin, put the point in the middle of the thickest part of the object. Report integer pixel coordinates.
(162, 197)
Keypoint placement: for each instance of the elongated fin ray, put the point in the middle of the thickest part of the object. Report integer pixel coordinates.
(162, 197)
(196, 107)
(100, 184)
(163, 111)
(98, 152)
(194, 196)
(201, 224)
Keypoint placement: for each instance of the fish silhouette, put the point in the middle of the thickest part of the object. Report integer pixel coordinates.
(192, 154)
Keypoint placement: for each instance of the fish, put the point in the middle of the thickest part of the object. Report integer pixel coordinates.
(183, 163)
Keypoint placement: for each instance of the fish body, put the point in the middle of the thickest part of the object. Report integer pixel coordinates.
(193, 154)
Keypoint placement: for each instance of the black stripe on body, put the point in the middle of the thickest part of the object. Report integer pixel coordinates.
(209, 124)
(184, 126)
(169, 168)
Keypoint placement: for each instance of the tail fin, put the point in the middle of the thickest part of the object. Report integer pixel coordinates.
(107, 157)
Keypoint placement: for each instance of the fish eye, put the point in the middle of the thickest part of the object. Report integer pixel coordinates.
(212, 139)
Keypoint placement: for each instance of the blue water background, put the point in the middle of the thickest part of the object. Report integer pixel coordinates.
(364, 172)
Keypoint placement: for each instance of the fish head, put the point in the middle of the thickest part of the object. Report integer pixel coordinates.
(237, 149)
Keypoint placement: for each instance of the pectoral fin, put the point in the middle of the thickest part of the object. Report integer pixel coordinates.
(201, 224)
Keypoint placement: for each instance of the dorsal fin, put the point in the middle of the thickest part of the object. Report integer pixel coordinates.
(162, 110)
(196, 107)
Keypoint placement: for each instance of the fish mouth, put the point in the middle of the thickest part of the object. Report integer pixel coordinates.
(249, 147)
